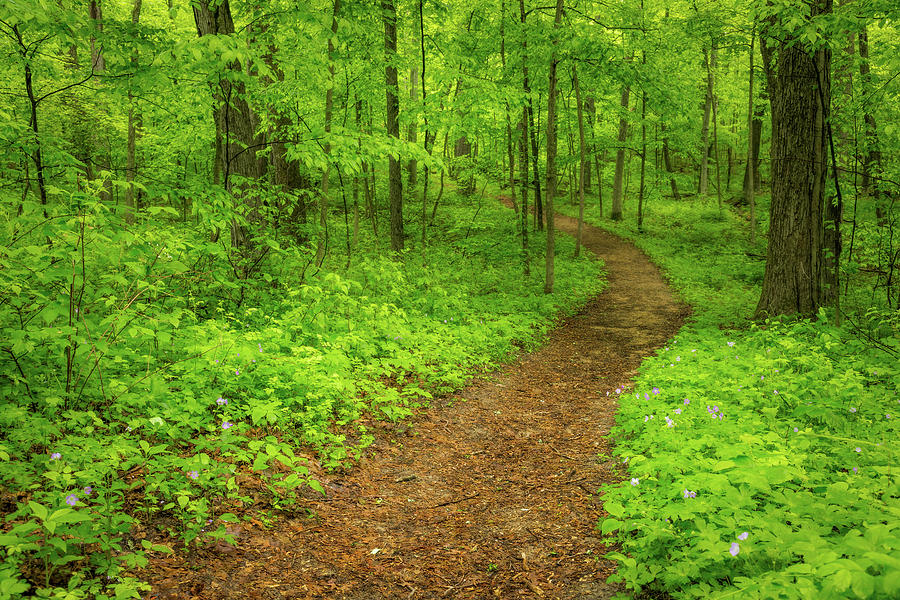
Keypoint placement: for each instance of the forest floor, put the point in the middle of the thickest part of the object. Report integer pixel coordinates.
(488, 493)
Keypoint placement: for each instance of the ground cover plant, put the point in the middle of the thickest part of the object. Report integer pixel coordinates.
(150, 403)
(761, 458)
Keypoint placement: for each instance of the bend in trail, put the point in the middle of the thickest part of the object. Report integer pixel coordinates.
(491, 498)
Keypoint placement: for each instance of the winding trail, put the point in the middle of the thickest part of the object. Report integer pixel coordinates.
(494, 497)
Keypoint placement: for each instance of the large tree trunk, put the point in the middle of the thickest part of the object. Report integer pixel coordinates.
(616, 214)
(549, 271)
(392, 94)
(871, 159)
(794, 264)
(756, 134)
(235, 121)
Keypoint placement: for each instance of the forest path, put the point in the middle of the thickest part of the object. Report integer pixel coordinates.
(489, 498)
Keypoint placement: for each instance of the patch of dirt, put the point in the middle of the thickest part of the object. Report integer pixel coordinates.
(493, 497)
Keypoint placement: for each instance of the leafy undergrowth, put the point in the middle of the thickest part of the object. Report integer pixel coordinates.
(150, 380)
(762, 458)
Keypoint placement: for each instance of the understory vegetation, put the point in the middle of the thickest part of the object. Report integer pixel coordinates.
(762, 457)
(152, 396)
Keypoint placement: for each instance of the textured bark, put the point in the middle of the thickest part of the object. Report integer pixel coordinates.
(616, 214)
(235, 121)
(549, 271)
(756, 133)
(392, 94)
(794, 264)
(871, 159)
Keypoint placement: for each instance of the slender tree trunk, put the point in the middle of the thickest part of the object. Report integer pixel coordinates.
(411, 135)
(640, 215)
(392, 92)
(871, 159)
(590, 109)
(667, 160)
(715, 113)
(134, 122)
(749, 191)
(531, 130)
(799, 85)
(704, 132)
(551, 159)
(510, 152)
(616, 214)
(582, 162)
(322, 244)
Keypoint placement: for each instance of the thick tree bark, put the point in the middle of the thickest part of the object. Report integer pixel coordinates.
(549, 271)
(794, 264)
(235, 121)
(616, 214)
(392, 94)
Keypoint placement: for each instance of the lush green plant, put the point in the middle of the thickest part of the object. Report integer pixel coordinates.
(761, 459)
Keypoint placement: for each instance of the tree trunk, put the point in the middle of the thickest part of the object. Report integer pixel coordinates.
(794, 264)
(704, 132)
(411, 135)
(715, 114)
(871, 159)
(392, 94)
(759, 112)
(749, 188)
(530, 129)
(640, 212)
(322, 244)
(590, 109)
(582, 162)
(616, 214)
(235, 121)
(549, 272)
(134, 122)
(667, 159)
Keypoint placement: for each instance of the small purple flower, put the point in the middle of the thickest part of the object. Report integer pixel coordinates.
(686, 401)
(731, 344)
(238, 353)
(677, 358)
(743, 536)
(71, 499)
(618, 390)
(646, 396)
(677, 411)
(689, 494)
(853, 409)
(635, 481)
(128, 428)
(655, 391)
(735, 548)
(227, 424)
(88, 490)
(221, 401)
(858, 449)
(796, 430)
(887, 416)
(855, 469)
(776, 392)
(193, 474)
(55, 456)
(217, 361)
(237, 372)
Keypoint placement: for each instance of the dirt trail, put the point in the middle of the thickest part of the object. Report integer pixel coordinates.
(489, 498)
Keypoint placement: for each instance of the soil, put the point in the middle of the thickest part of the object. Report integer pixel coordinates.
(489, 493)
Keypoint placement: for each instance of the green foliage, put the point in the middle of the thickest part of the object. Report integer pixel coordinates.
(137, 393)
(761, 459)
